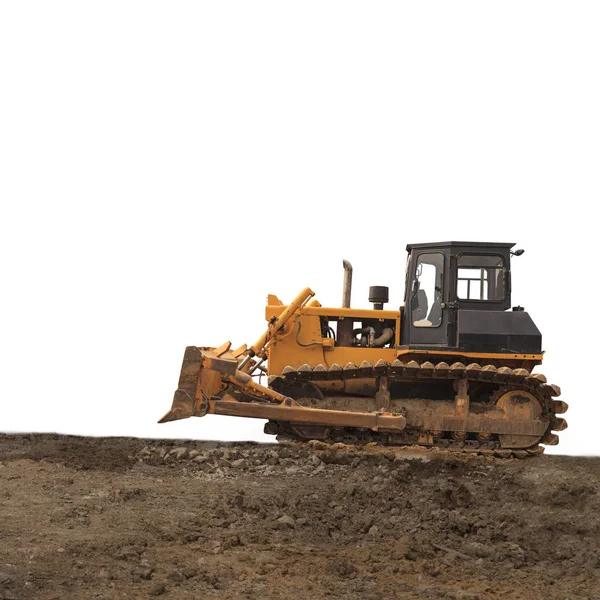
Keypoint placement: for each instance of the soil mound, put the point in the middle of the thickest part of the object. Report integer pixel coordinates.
(105, 518)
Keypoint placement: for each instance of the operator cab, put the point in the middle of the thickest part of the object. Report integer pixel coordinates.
(456, 297)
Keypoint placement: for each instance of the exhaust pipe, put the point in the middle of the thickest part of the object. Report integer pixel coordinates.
(344, 328)
(347, 292)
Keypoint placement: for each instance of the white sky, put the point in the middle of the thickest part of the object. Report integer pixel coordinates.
(164, 166)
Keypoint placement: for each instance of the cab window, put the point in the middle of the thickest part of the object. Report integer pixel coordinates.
(426, 304)
(480, 277)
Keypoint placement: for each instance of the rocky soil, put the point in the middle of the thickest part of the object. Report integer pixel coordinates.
(128, 518)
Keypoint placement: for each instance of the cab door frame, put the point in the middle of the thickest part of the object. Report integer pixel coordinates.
(434, 335)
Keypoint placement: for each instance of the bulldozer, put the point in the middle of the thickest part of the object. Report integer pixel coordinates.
(451, 368)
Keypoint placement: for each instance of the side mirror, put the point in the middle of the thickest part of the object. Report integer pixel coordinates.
(415, 286)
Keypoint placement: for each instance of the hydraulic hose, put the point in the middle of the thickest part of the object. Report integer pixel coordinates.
(384, 338)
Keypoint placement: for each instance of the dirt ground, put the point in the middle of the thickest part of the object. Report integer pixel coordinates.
(86, 518)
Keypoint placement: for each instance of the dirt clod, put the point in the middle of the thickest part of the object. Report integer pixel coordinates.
(157, 589)
(286, 520)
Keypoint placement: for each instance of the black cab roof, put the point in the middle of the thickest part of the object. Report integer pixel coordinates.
(409, 247)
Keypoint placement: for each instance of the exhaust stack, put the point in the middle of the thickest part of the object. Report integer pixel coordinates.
(347, 292)
(344, 328)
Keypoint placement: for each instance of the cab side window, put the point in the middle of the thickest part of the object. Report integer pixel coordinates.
(480, 277)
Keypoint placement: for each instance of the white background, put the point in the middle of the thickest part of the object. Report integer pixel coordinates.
(164, 166)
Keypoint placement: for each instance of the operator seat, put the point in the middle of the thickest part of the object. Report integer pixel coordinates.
(435, 315)
(419, 309)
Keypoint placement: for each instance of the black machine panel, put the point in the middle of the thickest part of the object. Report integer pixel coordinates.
(495, 331)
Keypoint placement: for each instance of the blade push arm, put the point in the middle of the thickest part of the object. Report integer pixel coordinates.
(208, 376)
(192, 400)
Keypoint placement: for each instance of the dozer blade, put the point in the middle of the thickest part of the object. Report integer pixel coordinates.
(182, 408)
(206, 373)
(202, 373)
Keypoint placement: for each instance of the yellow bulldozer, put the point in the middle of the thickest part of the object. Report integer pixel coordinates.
(451, 368)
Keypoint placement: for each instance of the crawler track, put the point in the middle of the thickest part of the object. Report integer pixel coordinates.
(499, 379)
